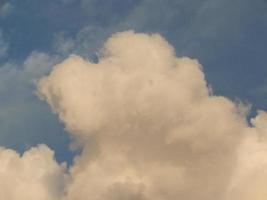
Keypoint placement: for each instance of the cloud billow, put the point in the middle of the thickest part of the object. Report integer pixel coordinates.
(150, 128)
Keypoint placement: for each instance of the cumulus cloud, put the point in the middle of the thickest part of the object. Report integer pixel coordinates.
(149, 128)
(34, 175)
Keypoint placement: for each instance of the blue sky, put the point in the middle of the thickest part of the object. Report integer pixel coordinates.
(227, 37)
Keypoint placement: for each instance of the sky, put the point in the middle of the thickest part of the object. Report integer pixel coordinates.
(226, 37)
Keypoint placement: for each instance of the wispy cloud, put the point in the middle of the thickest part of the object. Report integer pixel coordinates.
(5, 9)
(3, 45)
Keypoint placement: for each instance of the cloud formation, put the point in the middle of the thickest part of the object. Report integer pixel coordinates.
(34, 175)
(150, 128)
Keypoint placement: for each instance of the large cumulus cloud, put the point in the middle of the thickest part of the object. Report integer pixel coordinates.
(149, 128)
(149, 125)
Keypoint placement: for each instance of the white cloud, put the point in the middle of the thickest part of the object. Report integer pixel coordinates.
(149, 127)
(34, 175)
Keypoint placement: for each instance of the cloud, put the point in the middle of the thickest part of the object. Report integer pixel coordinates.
(3, 45)
(85, 43)
(25, 121)
(205, 28)
(63, 45)
(34, 175)
(5, 9)
(98, 10)
(150, 127)
(250, 175)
